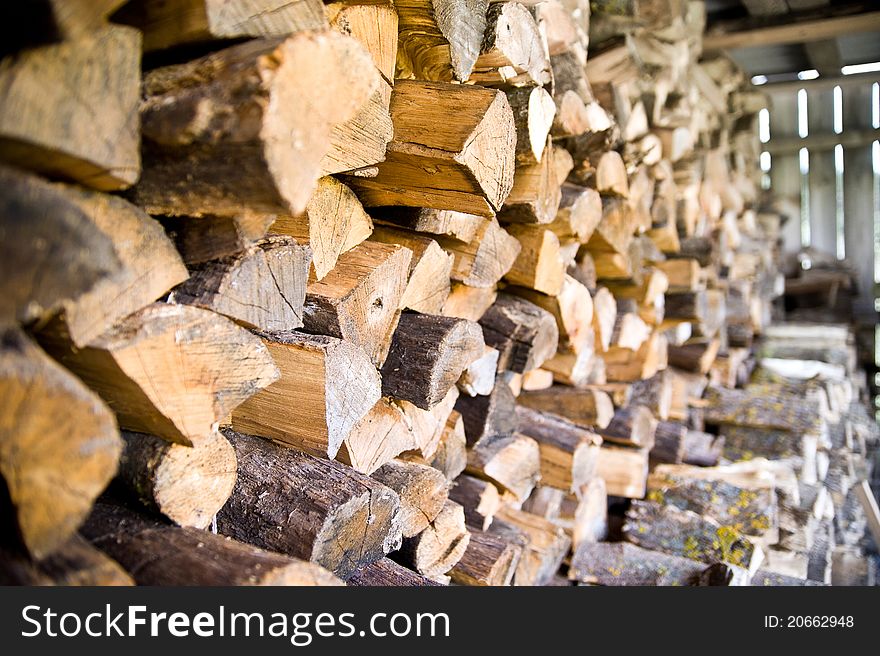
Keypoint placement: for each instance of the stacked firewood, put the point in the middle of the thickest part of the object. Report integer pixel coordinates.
(400, 294)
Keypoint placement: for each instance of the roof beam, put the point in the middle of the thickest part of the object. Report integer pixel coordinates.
(816, 29)
(822, 141)
(825, 56)
(822, 83)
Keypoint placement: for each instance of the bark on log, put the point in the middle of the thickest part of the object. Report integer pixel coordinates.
(633, 426)
(488, 416)
(479, 498)
(524, 334)
(206, 238)
(74, 563)
(489, 560)
(588, 408)
(386, 572)
(318, 510)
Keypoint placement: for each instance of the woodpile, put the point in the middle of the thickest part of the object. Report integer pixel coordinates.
(408, 293)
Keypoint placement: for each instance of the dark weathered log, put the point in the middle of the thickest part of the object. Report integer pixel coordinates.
(488, 560)
(437, 549)
(386, 572)
(188, 485)
(422, 490)
(319, 510)
(685, 533)
(655, 393)
(569, 453)
(513, 463)
(490, 415)
(200, 156)
(702, 449)
(524, 334)
(479, 498)
(701, 249)
(263, 287)
(669, 443)
(59, 446)
(762, 410)
(686, 306)
(428, 355)
(632, 426)
(155, 553)
(621, 563)
(697, 357)
(589, 408)
(74, 563)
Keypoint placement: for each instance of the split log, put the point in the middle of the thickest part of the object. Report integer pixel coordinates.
(457, 226)
(379, 436)
(315, 509)
(483, 260)
(573, 310)
(513, 51)
(440, 39)
(683, 274)
(154, 553)
(450, 457)
(46, 128)
(58, 446)
(611, 175)
(629, 332)
(624, 365)
(199, 157)
(701, 249)
(262, 288)
(478, 379)
(685, 533)
(579, 214)
(467, 302)
(604, 316)
(41, 224)
(533, 112)
(524, 334)
(546, 548)
(632, 426)
(489, 415)
(374, 25)
(569, 454)
(358, 299)
(588, 408)
(624, 470)
(536, 379)
(536, 193)
(615, 231)
(747, 442)
(385, 572)
(150, 267)
(422, 490)
(655, 393)
(334, 222)
(171, 370)
(586, 513)
(428, 355)
(75, 563)
(540, 264)
(687, 306)
(428, 425)
(479, 498)
(465, 165)
(437, 549)
(622, 563)
(187, 22)
(489, 560)
(188, 485)
(206, 238)
(513, 463)
(326, 386)
(427, 286)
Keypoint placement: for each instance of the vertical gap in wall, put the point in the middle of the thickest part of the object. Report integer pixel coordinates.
(839, 202)
(804, 157)
(802, 117)
(838, 110)
(766, 163)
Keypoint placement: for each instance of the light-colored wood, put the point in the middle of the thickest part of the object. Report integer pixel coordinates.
(188, 485)
(382, 434)
(573, 310)
(326, 386)
(46, 128)
(547, 546)
(374, 25)
(604, 317)
(624, 470)
(486, 258)
(580, 211)
(206, 238)
(533, 112)
(59, 445)
(171, 370)
(271, 275)
(333, 223)
(71, 19)
(588, 407)
(427, 287)
(478, 378)
(150, 266)
(449, 223)
(539, 265)
(536, 379)
(512, 52)
(437, 549)
(611, 175)
(423, 492)
(358, 299)
(467, 302)
(429, 427)
(535, 195)
(513, 463)
(465, 165)
(479, 498)
(200, 157)
(166, 24)
(439, 39)
(358, 144)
